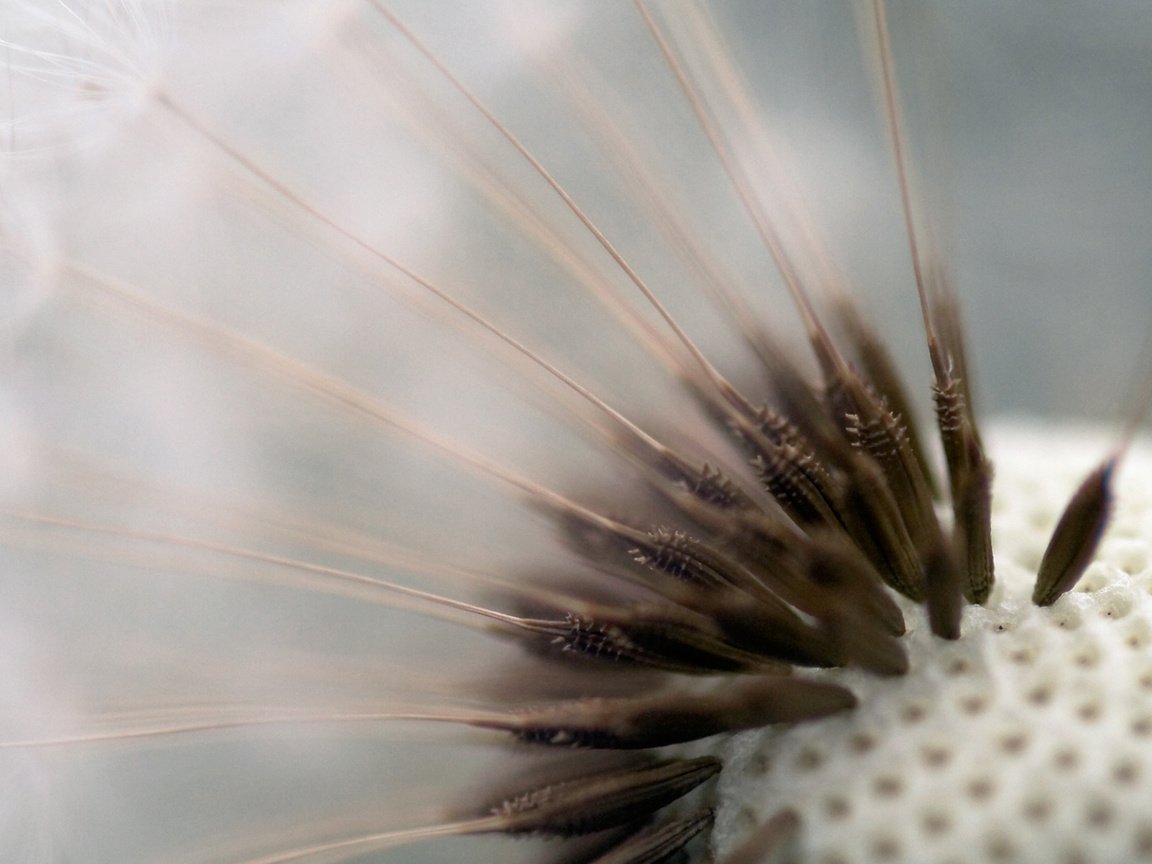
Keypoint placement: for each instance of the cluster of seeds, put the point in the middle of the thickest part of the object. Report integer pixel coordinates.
(820, 573)
(1025, 739)
(801, 572)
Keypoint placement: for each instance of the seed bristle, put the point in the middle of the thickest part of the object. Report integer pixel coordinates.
(715, 567)
(596, 802)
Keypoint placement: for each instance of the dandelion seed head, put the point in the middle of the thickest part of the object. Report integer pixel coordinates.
(974, 754)
(291, 545)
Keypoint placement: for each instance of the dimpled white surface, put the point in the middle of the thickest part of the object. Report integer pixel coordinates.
(1029, 739)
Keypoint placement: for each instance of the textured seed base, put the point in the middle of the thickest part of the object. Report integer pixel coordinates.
(1028, 740)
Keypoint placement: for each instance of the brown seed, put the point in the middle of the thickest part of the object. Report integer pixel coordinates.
(943, 587)
(672, 718)
(602, 800)
(659, 843)
(877, 364)
(1076, 536)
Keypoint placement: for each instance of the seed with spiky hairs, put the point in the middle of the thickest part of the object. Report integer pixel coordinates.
(1030, 733)
(616, 530)
(596, 802)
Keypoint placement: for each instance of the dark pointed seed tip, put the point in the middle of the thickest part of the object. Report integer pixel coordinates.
(837, 564)
(866, 645)
(815, 699)
(890, 616)
(660, 843)
(972, 510)
(1077, 535)
(885, 656)
(945, 628)
(944, 588)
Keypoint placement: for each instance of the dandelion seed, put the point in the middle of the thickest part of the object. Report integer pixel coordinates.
(428, 426)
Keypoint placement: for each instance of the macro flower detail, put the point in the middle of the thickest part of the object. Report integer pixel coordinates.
(396, 475)
(1028, 736)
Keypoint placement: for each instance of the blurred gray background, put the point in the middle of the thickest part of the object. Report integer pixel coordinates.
(1033, 124)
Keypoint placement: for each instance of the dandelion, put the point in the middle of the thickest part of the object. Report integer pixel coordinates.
(449, 434)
